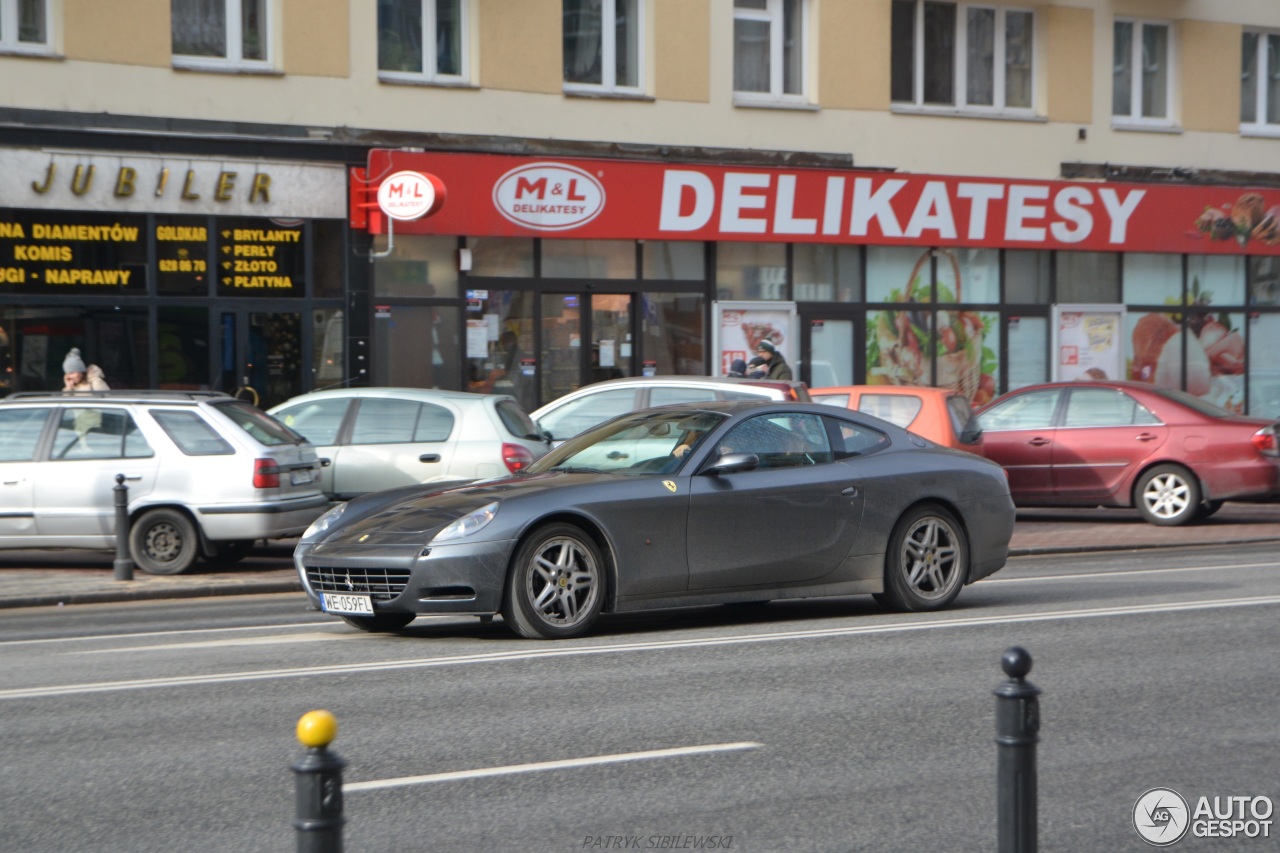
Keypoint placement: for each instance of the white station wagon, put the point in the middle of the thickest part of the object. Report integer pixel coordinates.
(207, 475)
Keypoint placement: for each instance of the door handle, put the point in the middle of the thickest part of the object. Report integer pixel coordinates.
(1038, 442)
(429, 457)
(851, 492)
(1145, 436)
(135, 478)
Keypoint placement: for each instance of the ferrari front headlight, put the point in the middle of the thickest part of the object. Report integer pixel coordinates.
(468, 524)
(323, 524)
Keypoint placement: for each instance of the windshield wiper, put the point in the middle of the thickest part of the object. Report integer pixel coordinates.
(577, 469)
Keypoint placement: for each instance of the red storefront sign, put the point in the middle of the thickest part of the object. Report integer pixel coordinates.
(499, 195)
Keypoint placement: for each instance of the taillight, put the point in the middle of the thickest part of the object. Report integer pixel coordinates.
(516, 457)
(266, 474)
(1265, 441)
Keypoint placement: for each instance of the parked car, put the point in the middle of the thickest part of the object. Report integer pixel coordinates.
(687, 504)
(206, 474)
(380, 438)
(1104, 443)
(938, 414)
(596, 403)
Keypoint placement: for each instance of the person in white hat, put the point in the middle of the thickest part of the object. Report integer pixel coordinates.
(77, 377)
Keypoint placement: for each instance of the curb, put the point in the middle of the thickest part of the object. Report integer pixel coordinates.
(107, 596)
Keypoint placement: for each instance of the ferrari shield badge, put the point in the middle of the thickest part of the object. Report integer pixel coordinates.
(671, 486)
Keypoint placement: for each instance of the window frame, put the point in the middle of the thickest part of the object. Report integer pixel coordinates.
(1260, 126)
(234, 58)
(774, 14)
(609, 53)
(430, 59)
(9, 29)
(960, 64)
(1134, 119)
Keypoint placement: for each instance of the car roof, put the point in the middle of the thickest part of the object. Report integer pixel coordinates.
(422, 394)
(904, 390)
(116, 396)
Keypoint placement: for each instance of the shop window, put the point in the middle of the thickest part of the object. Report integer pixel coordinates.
(602, 45)
(327, 335)
(38, 337)
(589, 259)
(1264, 281)
(182, 255)
(1264, 365)
(977, 58)
(770, 49)
(751, 271)
(1026, 277)
(1028, 348)
(825, 273)
(220, 32)
(1088, 277)
(969, 276)
(504, 257)
(420, 266)
(674, 260)
(673, 334)
(423, 40)
(24, 26)
(1152, 279)
(1142, 79)
(1260, 82)
(182, 348)
(260, 258)
(417, 347)
(329, 247)
(1215, 279)
(894, 274)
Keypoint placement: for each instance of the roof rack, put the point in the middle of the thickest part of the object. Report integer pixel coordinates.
(121, 394)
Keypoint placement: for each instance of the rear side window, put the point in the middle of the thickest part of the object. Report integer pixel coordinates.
(385, 421)
(663, 396)
(516, 420)
(20, 433)
(318, 420)
(838, 400)
(94, 433)
(897, 409)
(264, 428)
(1105, 407)
(855, 439)
(191, 433)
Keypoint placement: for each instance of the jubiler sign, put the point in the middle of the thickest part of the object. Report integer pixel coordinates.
(605, 199)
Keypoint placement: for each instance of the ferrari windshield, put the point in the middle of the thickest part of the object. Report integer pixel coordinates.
(655, 441)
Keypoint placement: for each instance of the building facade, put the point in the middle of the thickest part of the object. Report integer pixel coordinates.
(973, 195)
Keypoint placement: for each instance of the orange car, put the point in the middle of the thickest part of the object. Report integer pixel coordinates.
(938, 414)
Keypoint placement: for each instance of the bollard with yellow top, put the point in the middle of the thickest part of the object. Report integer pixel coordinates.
(319, 786)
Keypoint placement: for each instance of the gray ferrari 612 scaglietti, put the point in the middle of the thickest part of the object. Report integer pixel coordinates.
(689, 504)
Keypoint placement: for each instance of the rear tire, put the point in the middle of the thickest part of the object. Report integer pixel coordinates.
(1168, 496)
(380, 623)
(555, 587)
(927, 561)
(164, 542)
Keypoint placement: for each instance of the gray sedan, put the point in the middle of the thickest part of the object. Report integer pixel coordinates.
(691, 504)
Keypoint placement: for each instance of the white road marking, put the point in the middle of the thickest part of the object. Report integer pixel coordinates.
(273, 640)
(456, 775)
(568, 650)
(1125, 572)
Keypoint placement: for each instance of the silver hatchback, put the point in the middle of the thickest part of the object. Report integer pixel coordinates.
(380, 438)
(207, 475)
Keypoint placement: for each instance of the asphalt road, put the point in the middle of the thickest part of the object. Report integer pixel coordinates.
(809, 726)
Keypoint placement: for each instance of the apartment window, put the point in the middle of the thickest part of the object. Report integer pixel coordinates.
(602, 45)
(422, 39)
(1142, 72)
(24, 25)
(219, 32)
(1260, 82)
(769, 48)
(962, 56)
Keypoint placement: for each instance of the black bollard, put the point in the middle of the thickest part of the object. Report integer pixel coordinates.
(124, 561)
(319, 786)
(1017, 733)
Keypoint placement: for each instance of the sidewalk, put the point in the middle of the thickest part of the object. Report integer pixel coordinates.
(57, 578)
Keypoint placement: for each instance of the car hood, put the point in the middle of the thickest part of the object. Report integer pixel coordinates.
(419, 514)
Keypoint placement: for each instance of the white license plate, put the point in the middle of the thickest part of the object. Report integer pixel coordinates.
(301, 478)
(341, 603)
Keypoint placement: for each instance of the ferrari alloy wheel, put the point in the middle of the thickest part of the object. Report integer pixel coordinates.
(380, 623)
(164, 542)
(926, 562)
(1168, 495)
(556, 584)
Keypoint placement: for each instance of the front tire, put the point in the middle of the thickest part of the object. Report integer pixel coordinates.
(1168, 496)
(927, 561)
(380, 623)
(164, 542)
(555, 587)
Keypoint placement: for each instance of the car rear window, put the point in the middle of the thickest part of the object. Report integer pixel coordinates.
(897, 409)
(20, 433)
(516, 420)
(839, 400)
(266, 429)
(191, 433)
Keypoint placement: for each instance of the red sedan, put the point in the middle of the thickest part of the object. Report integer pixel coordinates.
(1100, 443)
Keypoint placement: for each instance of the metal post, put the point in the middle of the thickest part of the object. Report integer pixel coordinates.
(319, 786)
(124, 561)
(1017, 733)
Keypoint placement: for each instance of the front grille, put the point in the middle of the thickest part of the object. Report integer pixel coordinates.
(381, 584)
